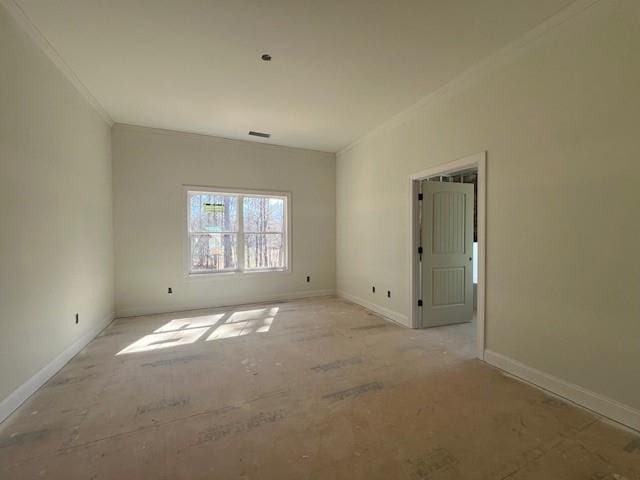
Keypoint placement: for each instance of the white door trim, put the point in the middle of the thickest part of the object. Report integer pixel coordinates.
(479, 161)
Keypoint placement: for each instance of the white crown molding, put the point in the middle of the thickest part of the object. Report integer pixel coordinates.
(593, 401)
(23, 20)
(479, 70)
(28, 388)
(213, 137)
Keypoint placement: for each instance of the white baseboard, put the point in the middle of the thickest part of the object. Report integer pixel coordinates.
(395, 317)
(28, 388)
(152, 310)
(599, 404)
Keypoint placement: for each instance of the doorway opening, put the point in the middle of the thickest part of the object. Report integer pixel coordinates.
(447, 226)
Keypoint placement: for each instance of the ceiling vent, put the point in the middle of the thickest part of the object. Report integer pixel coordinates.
(259, 134)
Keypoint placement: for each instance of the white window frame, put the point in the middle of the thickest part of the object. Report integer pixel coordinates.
(240, 194)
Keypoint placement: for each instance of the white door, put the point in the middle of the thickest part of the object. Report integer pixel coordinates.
(447, 255)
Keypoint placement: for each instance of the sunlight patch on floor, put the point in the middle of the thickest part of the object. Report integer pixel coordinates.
(191, 322)
(238, 329)
(188, 330)
(157, 341)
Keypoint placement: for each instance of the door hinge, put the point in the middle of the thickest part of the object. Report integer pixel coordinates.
(420, 250)
(419, 303)
(420, 196)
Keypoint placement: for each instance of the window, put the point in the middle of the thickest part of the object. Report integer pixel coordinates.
(237, 231)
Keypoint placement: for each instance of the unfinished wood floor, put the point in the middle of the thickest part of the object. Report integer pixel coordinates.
(311, 389)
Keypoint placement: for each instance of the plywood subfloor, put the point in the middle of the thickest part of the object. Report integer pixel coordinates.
(310, 389)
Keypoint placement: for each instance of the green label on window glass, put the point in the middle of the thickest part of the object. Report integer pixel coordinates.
(213, 207)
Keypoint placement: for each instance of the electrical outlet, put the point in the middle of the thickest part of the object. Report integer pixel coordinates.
(389, 293)
(77, 318)
(170, 290)
(373, 289)
(308, 278)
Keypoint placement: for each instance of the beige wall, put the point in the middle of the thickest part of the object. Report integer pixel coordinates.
(560, 123)
(150, 169)
(56, 224)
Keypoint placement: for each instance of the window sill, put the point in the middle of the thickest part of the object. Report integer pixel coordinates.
(234, 273)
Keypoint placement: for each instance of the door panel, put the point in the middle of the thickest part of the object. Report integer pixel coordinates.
(447, 266)
(448, 286)
(448, 222)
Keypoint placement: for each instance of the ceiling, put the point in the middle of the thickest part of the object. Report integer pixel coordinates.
(339, 68)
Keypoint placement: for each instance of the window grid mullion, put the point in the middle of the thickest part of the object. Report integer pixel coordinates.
(240, 234)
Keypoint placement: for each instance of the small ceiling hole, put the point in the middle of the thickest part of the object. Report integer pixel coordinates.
(266, 57)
